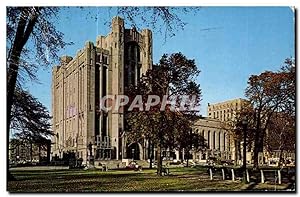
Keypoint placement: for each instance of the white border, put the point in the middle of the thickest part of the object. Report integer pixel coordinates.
(105, 3)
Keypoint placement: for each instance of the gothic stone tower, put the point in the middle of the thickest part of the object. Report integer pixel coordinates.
(105, 68)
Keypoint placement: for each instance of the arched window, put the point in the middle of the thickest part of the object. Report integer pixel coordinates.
(132, 67)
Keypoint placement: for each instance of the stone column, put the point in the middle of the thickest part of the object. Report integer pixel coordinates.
(211, 140)
(205, 136)
(226, 142)
(222, 141)
(217, 140)
(200, 155)
(177, 155)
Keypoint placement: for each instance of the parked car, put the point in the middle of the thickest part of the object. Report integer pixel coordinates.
(133, 165)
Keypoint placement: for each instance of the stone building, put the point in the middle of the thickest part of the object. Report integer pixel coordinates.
(106, 67)
(220, 143)
(216, 139)
(225, 111)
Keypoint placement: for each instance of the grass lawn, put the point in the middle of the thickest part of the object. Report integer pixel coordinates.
(181, 179)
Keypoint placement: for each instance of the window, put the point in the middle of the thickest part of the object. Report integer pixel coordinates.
(104, 59)
(98, 58)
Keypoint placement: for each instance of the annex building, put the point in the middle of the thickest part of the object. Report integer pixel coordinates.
(219, 142)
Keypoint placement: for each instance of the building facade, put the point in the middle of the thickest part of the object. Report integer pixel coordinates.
(216, 138)
(107, 67)
(225, 111)
(219, 142)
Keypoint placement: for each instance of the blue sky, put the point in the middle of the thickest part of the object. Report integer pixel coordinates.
(241, 41)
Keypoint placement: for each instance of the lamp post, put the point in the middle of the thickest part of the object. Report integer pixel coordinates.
(245, 123)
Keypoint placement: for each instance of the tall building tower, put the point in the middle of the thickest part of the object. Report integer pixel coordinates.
(105, 68)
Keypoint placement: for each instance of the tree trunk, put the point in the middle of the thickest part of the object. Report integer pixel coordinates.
(49, 151)
(256, 142)
(40, 157)
(258, 148)
(159, 160)
(24, 29)
(187, 157)
(21, 38)
(12, 75)
(255, 155)
(31, 152)
(235, 152)
(150, 154)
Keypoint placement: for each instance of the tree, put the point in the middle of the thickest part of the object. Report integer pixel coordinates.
(269, 93)
(234, 128)
(34, 24)
(288, 71)
(165, 20)
(31, 120)
(281, 135)
(172, 78)
(186, 138)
